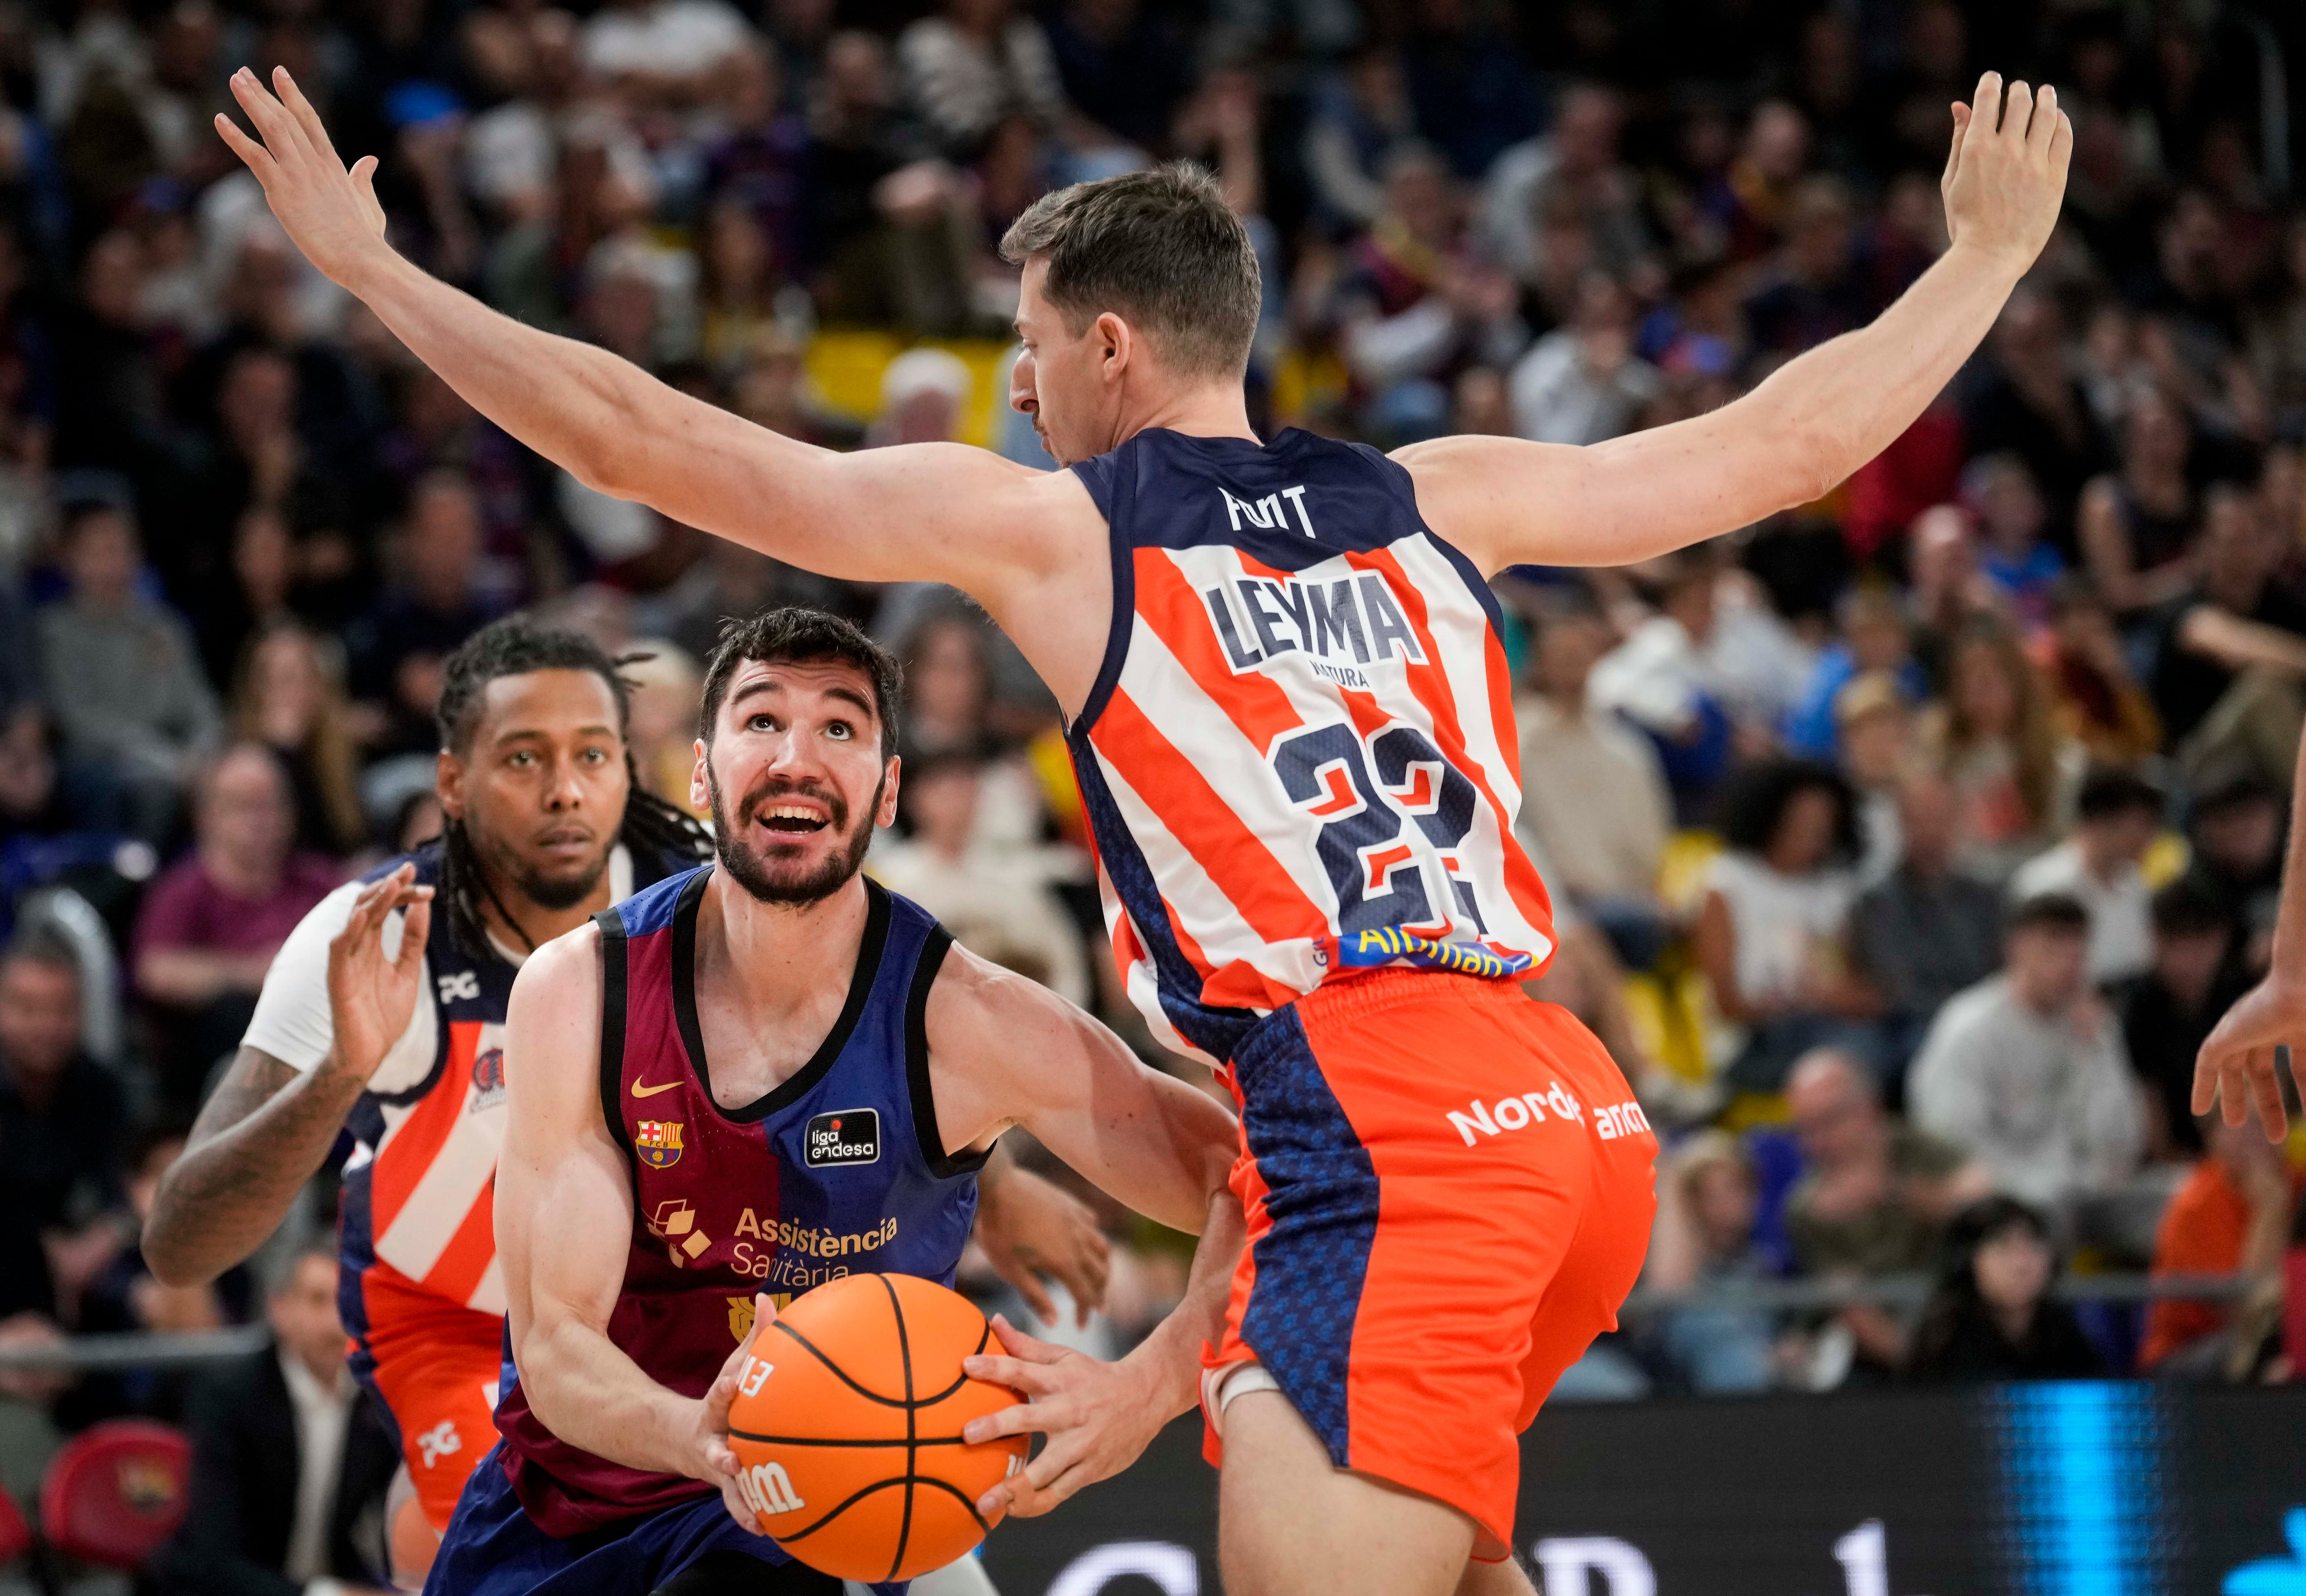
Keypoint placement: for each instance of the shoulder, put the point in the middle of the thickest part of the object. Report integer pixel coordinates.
(978, 1011)
(564, 969)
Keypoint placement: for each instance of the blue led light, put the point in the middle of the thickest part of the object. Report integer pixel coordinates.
(2080, 1466)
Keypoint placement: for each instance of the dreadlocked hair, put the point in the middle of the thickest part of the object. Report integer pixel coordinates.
(515, 646)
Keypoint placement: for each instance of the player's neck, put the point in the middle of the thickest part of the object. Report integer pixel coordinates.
(780, 957)
(1215, 410)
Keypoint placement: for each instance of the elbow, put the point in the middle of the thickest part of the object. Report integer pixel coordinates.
(171, 1262)
(1817, 458)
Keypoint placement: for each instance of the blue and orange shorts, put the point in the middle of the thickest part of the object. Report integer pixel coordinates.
(1448, 1191)
(434, 1366)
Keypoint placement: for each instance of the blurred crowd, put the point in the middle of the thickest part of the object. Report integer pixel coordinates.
(1904, 846)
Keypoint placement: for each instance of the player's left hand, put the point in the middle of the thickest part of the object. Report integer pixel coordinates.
(1030, 1227)
(713, 1459)
(1098, 1417)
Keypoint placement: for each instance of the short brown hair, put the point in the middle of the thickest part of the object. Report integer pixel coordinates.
(1162, 249)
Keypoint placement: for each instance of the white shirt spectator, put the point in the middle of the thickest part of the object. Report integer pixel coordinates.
(1558, 398)
(1781, 921)
(2046, 1102)
(997, 907)
(1595, 800)
(2121, 910)
(669, 38)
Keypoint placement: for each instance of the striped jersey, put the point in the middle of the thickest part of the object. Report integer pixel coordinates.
(1298, 759)
(421, 1183)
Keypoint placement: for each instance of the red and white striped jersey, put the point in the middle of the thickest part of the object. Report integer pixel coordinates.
(1299, 759)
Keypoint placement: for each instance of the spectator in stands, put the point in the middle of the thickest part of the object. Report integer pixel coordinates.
(1991, 1316)
(996, 905)
(1991, 738)
(1573, 171)
(123, 679)
(212, 923)
(2025, 1070)
(2117, 816)
(2232, 1217)
(1873, 638)
(1593, 795)
(288, 1458)
(1582, 383)
(1772, 930)
(1414, 305)
(2095, 701)
(1875, 732)
(62, 1120)
(664, 51)
(1708, 1197)
(978, 64)
(437, 603)
(31, 800)
(2014, 551)
(2230, 675)
(287, 696)
(1809, 293)
(2237, 855)
(1875, 1193)
(2167, 1012)
(1924, 932)
(660, 728)
(1357, 117)
(2028, 403)
(2136, 526)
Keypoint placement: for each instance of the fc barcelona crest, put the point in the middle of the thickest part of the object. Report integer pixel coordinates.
(658, 1142)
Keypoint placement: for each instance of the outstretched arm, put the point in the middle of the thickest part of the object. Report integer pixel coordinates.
(564, 1221)
(2238, 1064)
(939, 512)
(1814, 420)
(1005, 1051)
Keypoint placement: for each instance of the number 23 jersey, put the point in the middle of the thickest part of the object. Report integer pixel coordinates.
(1298, 760)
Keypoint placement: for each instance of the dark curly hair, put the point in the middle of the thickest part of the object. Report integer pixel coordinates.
(1754, 804)
(517, 645)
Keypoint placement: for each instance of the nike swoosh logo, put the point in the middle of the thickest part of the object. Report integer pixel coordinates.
(650, 1091)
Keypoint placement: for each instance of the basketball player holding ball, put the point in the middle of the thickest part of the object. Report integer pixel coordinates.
(756, 1076)
(1287, 703)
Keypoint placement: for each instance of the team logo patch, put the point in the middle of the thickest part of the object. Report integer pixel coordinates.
(488, 1079)
(845, 1136)
(658, 1142)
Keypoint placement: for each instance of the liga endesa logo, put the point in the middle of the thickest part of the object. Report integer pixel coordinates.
(844, 1136)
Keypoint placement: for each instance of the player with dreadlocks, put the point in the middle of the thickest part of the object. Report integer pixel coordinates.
(383, 1016)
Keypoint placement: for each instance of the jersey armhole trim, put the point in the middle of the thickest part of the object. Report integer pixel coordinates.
(925, 966)
(1396, 475)
(1121, 621)
(613, 1024)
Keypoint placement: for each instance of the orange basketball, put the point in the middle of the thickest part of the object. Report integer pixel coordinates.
(847, 1426)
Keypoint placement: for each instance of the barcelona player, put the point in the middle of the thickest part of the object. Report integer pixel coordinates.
(384, 1015)
(749, 1080)
(1287, 706)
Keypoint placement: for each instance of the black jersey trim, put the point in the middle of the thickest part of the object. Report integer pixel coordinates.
(1121, 482)
(795, 1085)
(944, 1166)
(613, 1024)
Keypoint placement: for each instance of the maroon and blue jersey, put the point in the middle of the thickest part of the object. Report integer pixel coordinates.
(840, 1169)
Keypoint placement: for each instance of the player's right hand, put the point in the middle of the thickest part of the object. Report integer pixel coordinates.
(2238, 1065)
(331, 214)
(2006, 174)
(370, 997)
(715, 1461)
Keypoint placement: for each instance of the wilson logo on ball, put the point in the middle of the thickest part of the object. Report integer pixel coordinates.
(768, 1490)
(845, 1136)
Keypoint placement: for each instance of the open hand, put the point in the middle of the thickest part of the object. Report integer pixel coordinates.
(370, 997)
(2237, 1065)
(2006, 175)
(332, 215)
(1030, 1227)
(1099, 1418)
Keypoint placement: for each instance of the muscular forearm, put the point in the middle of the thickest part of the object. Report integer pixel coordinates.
(1170, 1358)
(591, 1395)
(230, 1189)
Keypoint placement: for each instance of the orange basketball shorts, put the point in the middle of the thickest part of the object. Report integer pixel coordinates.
(1449, 1192)
(436, 1365)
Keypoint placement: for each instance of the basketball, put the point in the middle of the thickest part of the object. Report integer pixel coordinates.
(847, 1428)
